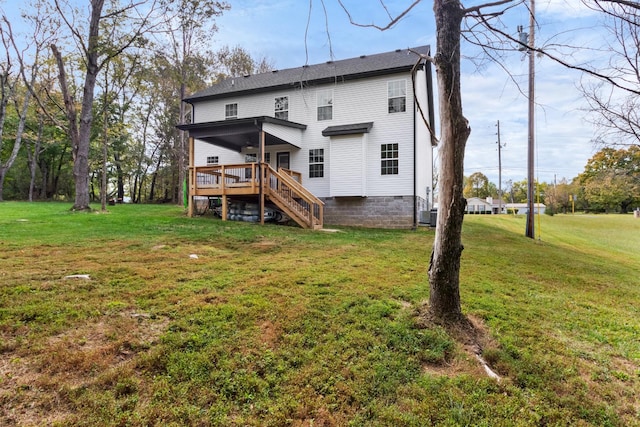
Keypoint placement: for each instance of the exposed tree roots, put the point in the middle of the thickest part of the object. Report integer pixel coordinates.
(469, 332)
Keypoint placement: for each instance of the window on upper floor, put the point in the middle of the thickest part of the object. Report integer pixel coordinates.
(325, 104)
(389, 159)
(231, 111)
(316, 163)
(212, 160)
(281, 108)
(397, 94)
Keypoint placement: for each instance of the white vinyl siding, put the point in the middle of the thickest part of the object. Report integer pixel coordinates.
(355, 101)
(424, 151)
(204, 151)
(347, 166)
(292, 135)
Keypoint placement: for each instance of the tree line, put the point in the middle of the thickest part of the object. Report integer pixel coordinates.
(90, 94)
(609, 183)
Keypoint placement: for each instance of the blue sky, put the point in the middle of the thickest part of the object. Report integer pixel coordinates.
(276, 29)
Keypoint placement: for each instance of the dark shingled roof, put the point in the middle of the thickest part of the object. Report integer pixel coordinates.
(328, 72)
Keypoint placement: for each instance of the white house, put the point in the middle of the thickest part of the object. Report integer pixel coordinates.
(343, 142)
(476, 205)
(523, 208)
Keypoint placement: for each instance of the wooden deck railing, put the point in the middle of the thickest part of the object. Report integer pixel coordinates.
(294, 199)
(294, 174)
(218, 180)
(283, 187)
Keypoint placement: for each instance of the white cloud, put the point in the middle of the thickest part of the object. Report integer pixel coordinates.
(561, 9)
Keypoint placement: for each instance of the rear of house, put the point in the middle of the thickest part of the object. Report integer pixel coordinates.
(354, 133)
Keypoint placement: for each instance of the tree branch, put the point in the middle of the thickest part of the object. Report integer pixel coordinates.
(631, 4)
(486, 5)
(415, 97)
(531, 49)
(391, 23)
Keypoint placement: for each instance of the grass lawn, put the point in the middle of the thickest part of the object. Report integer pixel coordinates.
(198, 322)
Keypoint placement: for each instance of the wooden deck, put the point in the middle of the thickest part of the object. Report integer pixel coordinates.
(283, 188)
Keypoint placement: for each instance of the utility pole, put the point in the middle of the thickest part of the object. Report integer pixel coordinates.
(499, 171)
(531, 140)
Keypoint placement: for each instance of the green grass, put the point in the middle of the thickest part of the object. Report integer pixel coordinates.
(274, 325)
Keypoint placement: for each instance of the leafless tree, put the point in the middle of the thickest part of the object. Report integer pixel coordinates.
(615, 109)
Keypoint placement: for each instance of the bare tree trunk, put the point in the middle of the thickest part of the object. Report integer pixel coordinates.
(80, 154)
(444, 271)
(154, 178)
(80, 133)
(6, 90)
(105, 143)
(4, 168)
(33, 159)
(120, 177)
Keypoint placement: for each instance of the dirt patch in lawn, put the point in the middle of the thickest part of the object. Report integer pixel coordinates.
(34, 380)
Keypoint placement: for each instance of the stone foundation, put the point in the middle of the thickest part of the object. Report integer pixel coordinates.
(372, 212)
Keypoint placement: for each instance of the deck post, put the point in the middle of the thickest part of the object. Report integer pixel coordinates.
(224, 207)
(261, 179)
(191, 179)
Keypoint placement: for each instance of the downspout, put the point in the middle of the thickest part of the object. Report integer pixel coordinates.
(415, 156)
(432, 119)
(416, 100)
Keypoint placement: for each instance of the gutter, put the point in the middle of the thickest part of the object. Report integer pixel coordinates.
(415, 158)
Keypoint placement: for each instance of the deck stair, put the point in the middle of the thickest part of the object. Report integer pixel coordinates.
(293, 198)
(281, 187)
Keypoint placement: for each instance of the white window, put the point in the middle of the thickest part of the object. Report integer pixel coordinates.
(316, 163)
(212, 160)
(249, 158)
(281, 108)
(253, 157)
(389, 159)
(231, 111)
(397, 92)
(325, 104)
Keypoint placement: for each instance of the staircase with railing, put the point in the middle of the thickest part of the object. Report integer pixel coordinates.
(293, 198)
(282, 187)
